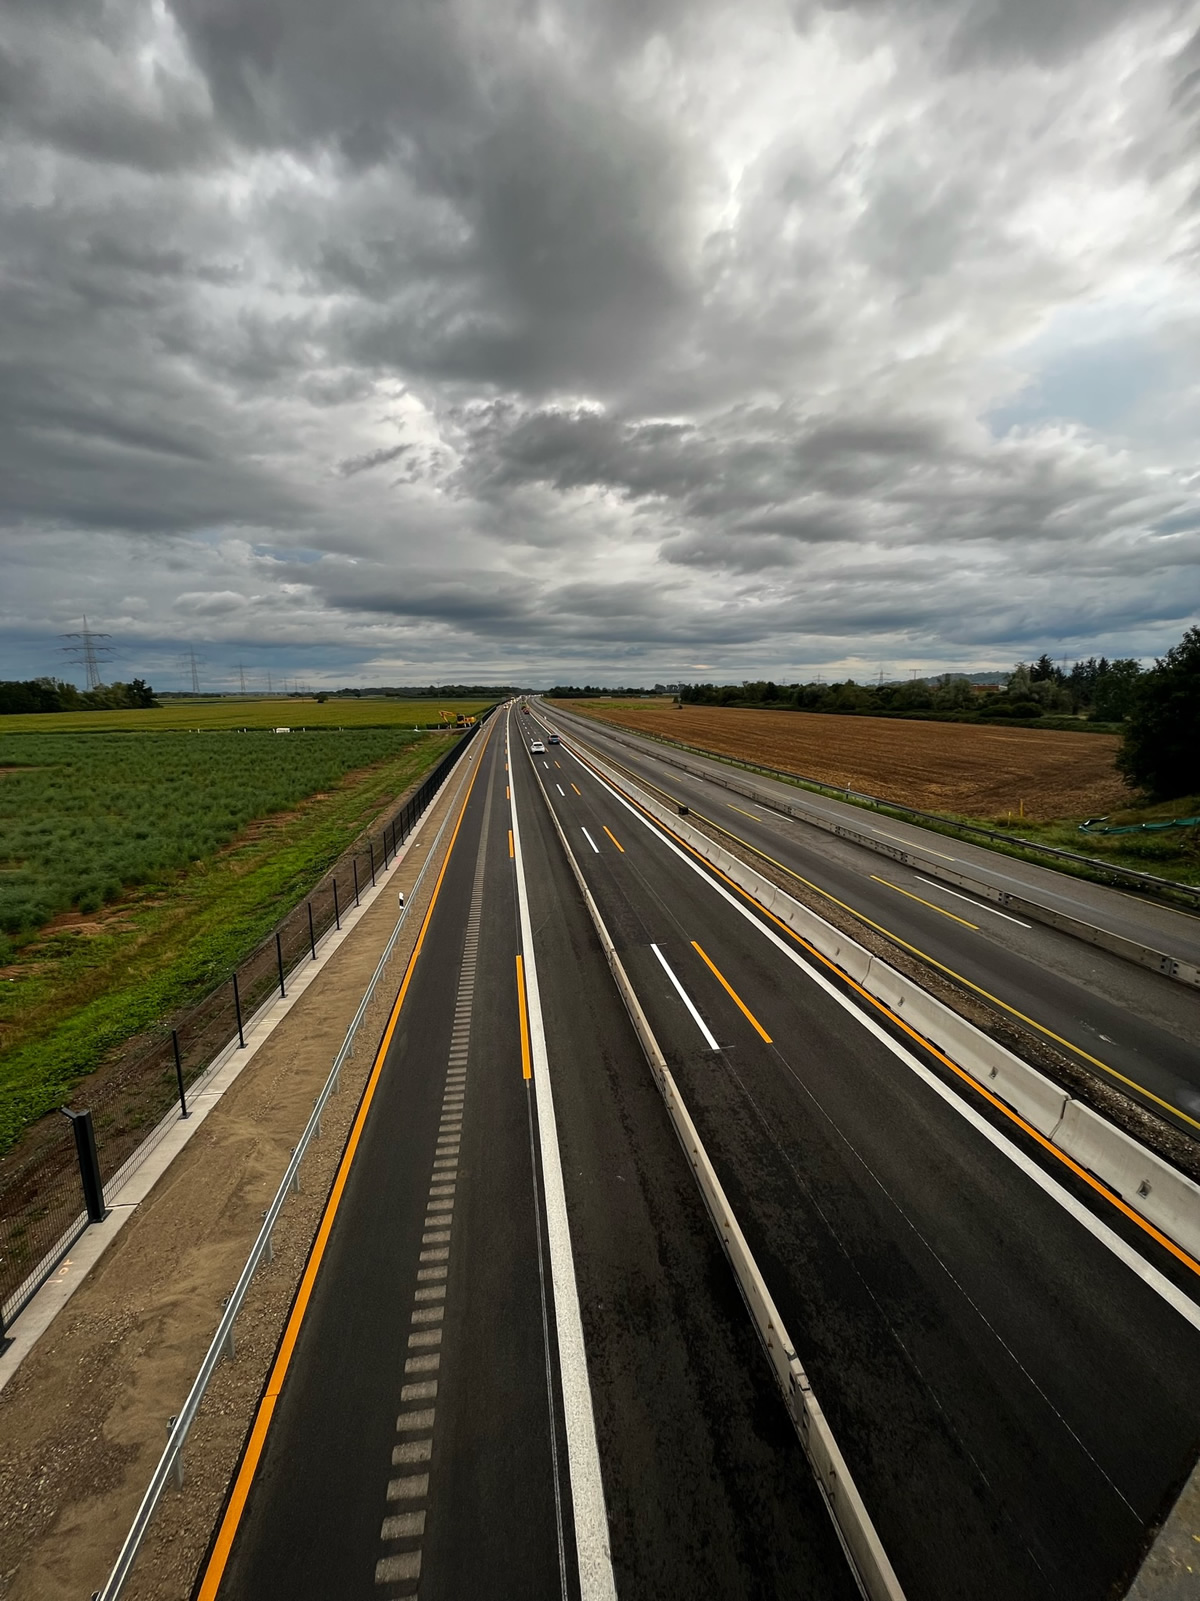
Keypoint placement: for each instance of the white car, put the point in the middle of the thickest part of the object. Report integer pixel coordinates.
(538, 748)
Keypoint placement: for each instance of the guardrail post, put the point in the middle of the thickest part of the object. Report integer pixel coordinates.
(177, 1464)
(279, 959)
(237, 1006)
(354, 864)
(89, 1163)
(337, 916)
(183, 1112)
(312, 938)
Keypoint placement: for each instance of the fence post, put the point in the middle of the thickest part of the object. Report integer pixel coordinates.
(337, 916)
(279, 959)
(89, 1163)
(354, 864)
(312, 938)
(371, 848)
(179, 1073)
(385, 849)
(237, 1006)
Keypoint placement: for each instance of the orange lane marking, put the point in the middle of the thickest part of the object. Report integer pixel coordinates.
(510, 843)
(993, 1100)
(731, 992)
(614, 838)
(526, 1068)
(577, 790)
(258, 1435)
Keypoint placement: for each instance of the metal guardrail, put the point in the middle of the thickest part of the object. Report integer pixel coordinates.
(170, 1464)
(1163, 889)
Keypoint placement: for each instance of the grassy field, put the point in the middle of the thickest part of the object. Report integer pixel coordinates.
(1037, 783)
(229, 712)
(85, 817)
(82, 982)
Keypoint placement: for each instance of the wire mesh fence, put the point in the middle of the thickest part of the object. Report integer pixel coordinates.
(42, 1210)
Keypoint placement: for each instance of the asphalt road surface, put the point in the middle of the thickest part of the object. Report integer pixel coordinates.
(1137, 1029)
(524, 1368)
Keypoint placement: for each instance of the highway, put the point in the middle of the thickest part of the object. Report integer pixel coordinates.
(432, 1432)
(522, 1366)
(1138, 1030)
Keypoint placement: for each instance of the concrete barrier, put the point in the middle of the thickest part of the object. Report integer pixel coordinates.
(1144, 1181)
(1159, 1192)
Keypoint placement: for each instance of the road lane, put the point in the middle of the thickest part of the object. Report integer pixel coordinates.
(1007, 1393)
(1138, 1030)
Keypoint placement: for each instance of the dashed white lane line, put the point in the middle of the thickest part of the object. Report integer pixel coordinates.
(591, 842)
(687, 1001)
(980, 906)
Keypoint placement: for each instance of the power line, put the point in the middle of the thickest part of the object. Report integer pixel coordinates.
(191, 662)
(88, 652)
(242, 677)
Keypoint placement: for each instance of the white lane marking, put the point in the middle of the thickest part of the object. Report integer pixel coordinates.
(560, 789)
(591, 842)
(596, 1581)
(687, 1001)
(980, 906)
(913, 844)
(1150, 1275)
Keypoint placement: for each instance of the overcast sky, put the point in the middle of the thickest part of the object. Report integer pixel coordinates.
(412, 340)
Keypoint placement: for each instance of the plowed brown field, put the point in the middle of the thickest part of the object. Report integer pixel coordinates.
(965, 768)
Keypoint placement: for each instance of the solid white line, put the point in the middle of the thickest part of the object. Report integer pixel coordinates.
(591, 842)
(596, 1581)
(687, 1001)
(1150, 1275)
(980, 906)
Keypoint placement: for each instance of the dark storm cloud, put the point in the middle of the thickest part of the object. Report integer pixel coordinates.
(495, 332)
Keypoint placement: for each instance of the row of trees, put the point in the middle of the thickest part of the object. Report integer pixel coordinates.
(1096, 688)
(52, 695)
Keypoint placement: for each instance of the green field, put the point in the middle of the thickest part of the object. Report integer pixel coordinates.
(136, 873)
(233, 712)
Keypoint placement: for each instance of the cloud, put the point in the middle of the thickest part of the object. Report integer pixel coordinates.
(588, 340)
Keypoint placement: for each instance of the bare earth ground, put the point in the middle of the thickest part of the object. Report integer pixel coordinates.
(83, 1421)
(964, 768)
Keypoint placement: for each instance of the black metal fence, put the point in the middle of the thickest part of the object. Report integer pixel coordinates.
(43, 1181)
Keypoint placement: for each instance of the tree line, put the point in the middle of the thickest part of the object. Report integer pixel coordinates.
(53, 695)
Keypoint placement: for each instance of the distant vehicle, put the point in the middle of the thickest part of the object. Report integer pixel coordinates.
(555, 739)
(525, 709)
(538, 748)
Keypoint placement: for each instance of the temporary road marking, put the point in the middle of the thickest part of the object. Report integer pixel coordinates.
(510, 843)
(981, 906)
(950, 972)
(750, 815)
(559, 787)
(1150, 1275)
(913, 845)
(921, 899)
(687, 1001)
(614, 839)
(526, 1068)
(591, 842)
(506, 796)
(731, 992)
(594, 1557)
(577, 790)
(236, 1505)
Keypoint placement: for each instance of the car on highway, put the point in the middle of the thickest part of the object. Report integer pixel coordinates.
(538, 748)
(556, 739)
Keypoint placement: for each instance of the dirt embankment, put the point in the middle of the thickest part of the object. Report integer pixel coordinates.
(964, 768)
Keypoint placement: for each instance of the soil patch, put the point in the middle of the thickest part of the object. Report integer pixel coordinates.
(964, 769)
